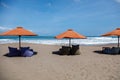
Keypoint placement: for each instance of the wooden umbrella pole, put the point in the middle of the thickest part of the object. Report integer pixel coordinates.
(69, 42)
(19, 41)
(118, 41)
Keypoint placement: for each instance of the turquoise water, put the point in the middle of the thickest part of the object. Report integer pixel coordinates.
(91, 40)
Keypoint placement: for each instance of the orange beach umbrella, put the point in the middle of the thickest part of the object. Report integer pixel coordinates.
(70, 34)
(19, 31)
(115, 32)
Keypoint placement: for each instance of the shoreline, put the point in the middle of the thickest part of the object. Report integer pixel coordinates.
(52, 41)
(63, 44)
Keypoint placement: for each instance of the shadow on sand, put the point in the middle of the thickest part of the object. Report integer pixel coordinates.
(101, 52)
(7, 55)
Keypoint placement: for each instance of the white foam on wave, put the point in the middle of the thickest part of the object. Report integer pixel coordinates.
(88, 41)
(98, 40)
(5, 41)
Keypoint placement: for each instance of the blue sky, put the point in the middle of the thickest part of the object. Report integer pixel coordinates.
(51, 17)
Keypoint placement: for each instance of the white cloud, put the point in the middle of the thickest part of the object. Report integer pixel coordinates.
(4, 28)
(4, 5)
(117, 1)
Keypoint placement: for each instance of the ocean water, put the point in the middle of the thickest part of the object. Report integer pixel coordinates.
(50, 40)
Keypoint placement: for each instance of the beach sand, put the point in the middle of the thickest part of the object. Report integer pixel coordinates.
(47, 66)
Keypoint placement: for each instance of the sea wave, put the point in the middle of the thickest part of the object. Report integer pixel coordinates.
(53, 41)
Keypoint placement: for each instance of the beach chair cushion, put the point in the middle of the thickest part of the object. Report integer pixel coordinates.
(106, 50)
(28, 53)
(13, 51)
(65, 50)
(23, 49)
(115, 50)
(75, 50)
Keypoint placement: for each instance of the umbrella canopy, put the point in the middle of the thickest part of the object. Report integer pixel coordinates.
(70, 34)
(19, 31)
(115, 32)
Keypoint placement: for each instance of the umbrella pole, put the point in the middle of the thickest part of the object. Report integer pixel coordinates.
(118, 41)
(19, 42)
(69, 42)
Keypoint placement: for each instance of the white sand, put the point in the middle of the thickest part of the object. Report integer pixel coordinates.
(47, 66)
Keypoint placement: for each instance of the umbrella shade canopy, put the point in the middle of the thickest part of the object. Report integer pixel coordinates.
(70, 34)
(115, 32)
(19, 31)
